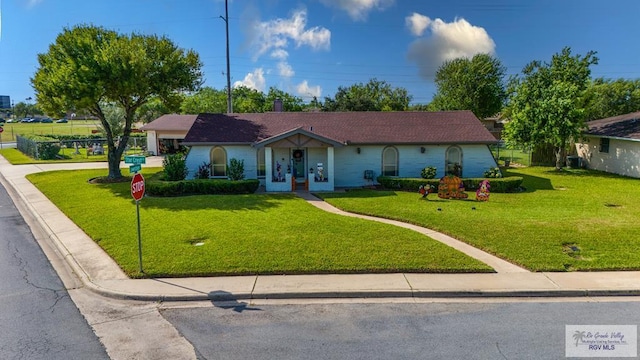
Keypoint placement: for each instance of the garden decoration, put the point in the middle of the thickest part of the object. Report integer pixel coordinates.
(451, 187)
(482, 194)
(279, 170)
(425, 190)
(320, 172)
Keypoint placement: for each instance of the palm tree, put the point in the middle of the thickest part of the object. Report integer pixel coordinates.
(578, 336)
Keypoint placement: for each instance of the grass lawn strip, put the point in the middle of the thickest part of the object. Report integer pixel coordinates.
(571, 220)
(243, 234)
(16, 157)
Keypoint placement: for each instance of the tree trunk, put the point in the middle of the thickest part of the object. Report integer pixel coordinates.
(559, 151)
(113, 158)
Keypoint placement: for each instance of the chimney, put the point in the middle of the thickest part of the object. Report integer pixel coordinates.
(277, 105)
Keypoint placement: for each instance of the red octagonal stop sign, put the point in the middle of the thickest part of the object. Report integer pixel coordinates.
(137, 186)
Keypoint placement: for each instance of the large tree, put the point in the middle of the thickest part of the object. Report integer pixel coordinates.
(90, 66)
(546, 102)
(605, 98)
(205, 100)
(289, 102)
(376, 95)
(475, 84)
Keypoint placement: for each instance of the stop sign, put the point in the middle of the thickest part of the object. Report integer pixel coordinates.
(1, 129)
(137, 186)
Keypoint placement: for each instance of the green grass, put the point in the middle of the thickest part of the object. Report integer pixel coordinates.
(515, 156)
(16, 157)
(240, 234)
(570, 220)
(73, 127)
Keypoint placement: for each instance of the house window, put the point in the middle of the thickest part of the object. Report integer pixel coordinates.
(390, 161)
(454, 161)
(218, 162)
(262, 168)
(604, 145)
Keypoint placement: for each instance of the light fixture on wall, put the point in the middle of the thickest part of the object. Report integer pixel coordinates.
(358, 150)
(422, 149)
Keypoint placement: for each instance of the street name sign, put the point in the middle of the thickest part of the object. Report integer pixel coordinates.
(135, 159)
(135, 168)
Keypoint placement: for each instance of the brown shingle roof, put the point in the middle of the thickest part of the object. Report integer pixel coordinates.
(345, 127)
(171, 122)
(622, 126)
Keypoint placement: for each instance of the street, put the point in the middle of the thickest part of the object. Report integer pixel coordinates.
(463, 329)
(38, 320)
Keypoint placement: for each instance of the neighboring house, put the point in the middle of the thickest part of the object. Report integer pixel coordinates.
(495, 125)
(612, 145)
(166, 133)
(320, 151)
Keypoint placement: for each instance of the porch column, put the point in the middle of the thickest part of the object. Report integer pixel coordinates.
(331, 167)
(268, 160)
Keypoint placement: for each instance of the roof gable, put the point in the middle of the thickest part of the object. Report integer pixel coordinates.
(343, 127)
(298, 137)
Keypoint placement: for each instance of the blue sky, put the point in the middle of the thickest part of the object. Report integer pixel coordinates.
(309, 48)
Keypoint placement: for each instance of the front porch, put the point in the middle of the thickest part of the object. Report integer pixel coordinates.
(299, 160)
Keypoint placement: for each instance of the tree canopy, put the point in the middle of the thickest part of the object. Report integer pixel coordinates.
(546, 102)
(475, 84)
(605, 98)
(245, 100)
(88, 66)
(376, 95)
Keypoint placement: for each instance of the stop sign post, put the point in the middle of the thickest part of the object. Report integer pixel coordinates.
(137, 191)
(1, 130)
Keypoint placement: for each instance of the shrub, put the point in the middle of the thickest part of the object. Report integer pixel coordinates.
(493, 173)
(428, 173)
(236, 169)
(501, 185)
(201, 187)
(204, 171)
(38, 147)
(175, 167)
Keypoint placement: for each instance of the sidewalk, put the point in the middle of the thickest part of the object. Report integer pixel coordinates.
(98, 272)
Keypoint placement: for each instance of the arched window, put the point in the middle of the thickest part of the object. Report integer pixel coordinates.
(454, 161)
(262, 169)
(218, 162)
(390, 161)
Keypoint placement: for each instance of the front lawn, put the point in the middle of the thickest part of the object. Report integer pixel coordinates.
(564, 221)
(239, 234)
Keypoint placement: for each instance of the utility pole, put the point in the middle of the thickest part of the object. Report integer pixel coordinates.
(226, 21)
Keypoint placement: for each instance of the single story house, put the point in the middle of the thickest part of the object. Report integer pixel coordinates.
(166, 133)
(612, 145)
(319, 151)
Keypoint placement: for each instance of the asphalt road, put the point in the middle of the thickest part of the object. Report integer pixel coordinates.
(472, 330)
(38, 320)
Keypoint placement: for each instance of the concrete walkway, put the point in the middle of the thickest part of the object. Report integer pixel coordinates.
(98, 272)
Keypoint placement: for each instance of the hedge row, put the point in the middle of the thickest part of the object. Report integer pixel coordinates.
(201, 187)
(499, 185)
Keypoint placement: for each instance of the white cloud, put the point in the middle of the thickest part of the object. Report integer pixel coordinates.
(280, 54)
(358, 9)
(284, 69)
(417, 23)
(32, 3)
(308, 92)
(275, 35)
(254, 80)
(448, 41)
